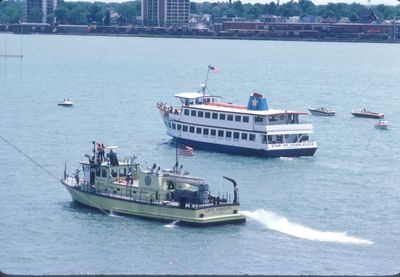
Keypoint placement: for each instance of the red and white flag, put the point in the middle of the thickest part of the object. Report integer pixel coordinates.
(186, 151)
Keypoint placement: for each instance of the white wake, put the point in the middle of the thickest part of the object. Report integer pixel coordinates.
(281, 224)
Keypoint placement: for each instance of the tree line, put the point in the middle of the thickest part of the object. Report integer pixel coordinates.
(12, 11)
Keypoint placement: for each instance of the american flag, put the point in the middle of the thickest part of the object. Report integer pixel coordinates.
(186, 151)
(213, 69)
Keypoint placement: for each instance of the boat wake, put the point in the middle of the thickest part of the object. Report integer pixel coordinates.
(281, 224)
(172, 224)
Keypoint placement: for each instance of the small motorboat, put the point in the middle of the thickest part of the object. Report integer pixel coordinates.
(66, 103)
(382, 124)
(368, 114)
(322, 111)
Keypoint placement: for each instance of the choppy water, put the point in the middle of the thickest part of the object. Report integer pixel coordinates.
(334, 213)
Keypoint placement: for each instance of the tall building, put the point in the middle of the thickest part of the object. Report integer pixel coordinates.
(165, 12)
(38, 11)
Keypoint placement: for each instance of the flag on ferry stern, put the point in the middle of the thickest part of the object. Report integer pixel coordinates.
(213, 69)
(186, 151)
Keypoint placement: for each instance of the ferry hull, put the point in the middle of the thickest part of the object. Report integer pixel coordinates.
(215, 215)
(298, 152)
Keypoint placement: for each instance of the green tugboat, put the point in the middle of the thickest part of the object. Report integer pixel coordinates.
(171, 195)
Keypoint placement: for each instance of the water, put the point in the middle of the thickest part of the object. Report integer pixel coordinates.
(334, 213)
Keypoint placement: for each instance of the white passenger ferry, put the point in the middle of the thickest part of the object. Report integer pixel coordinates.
(205, 122)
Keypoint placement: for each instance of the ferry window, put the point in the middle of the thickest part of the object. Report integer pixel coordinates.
(179, 126)
(207, 115)
(222, 116)
(200, 114)
(230, 117)
(198, 130)
(237, 118)
(228, 134)
(269, 138)
(258, 119)
(103, 173)
(244, 136)
(245, 119)
(264, 138)
(279, 138)
(114, 172)
(98, 172)
(205, 131)
(220, 133)
(173, 126)
(214, 115)
(236, 135)
(193, 113)
(184, 128)
(272, 118)
(252, 137)
(169, 124)
(191, 129)
(186, 112)
(166, 124)
(213, 132)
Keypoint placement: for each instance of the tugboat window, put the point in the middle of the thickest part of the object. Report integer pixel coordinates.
(230, 117)
(191, 129)
(200, 114)
(222, 116)
(213, 132)
(207, 115)
(215, 116)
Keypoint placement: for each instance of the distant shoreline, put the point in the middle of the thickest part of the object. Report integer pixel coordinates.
(125, 31)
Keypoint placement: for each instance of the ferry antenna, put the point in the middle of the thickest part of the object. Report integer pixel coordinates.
(58, 179)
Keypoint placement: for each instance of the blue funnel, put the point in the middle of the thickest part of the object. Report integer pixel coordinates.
(257, 103)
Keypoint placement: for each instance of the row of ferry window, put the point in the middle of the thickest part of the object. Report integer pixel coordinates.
(212, 132)
(221, 116)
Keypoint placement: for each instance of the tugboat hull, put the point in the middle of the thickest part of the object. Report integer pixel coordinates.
(196, 216)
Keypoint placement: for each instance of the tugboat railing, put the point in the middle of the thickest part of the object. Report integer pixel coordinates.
(126, 194)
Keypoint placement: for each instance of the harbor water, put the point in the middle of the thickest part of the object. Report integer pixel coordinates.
(335, 213)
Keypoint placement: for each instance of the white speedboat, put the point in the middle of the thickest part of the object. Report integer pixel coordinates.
(203, 121)
(66, 103)
(111, 184)
(322, 111)
(382, 124)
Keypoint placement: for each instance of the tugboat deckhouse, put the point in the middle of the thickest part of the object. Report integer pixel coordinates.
(205, 122)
